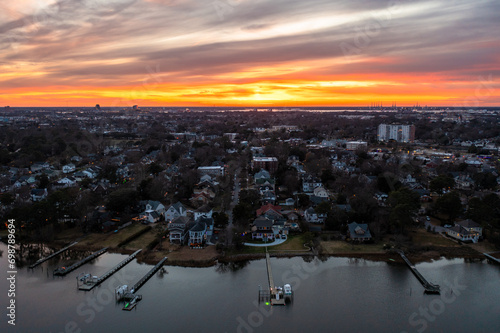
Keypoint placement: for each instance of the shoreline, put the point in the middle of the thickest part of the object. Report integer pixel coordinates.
(213, 258)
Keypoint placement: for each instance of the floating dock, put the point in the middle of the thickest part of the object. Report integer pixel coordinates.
(41, 260)
(122, 293)
(429, 287)
(88, 282)
(274, 294)
(490, 257)
(65, 270)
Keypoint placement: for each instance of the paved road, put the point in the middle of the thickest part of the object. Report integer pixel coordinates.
(234, 202)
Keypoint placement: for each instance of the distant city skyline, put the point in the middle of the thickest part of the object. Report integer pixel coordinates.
(263, 53)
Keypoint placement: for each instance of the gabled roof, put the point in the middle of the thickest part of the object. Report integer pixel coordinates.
(181, 220)
(310, 211)
(204, 209)
(267, 207)
(154, 204)
(199, 226)
(359, 230)
(263, 222)
(262, 174)
(468, 224)
(208, 221)
(460, 230)
(178, 206)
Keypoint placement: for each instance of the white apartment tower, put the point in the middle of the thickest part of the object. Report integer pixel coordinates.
(399, 133)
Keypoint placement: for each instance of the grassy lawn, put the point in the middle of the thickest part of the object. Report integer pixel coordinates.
(247, 250)
(293, 243)
(142, 241)
(332, 247)
(69, 235)
(423, 238)
(111, 239)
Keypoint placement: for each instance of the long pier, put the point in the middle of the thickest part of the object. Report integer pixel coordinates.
(146, 277)
(89, 282)
(275, 293)
(429, 287)
(41, 260)
(130, 297)
(65, 270)
(490, 257)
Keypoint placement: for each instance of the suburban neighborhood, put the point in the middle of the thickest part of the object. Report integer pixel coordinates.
(229, 180)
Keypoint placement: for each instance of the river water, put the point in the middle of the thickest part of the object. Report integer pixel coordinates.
(334, 295)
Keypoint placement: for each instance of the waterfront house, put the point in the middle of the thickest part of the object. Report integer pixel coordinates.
(197, 234)
(462, 234)
(263, 229)
(359, 232)
(471, 226)
(177, 229)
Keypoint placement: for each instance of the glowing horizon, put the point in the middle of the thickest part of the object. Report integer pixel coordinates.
(259, 53)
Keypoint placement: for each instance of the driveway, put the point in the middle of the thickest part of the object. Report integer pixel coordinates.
(276, 242)
(437, 228)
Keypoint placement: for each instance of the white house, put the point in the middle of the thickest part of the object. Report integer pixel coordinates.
(470, 226)
(177, 229)
(203, 211)
(149, 216)
(320, 192)
(152, 205)
(68, 168)
(174, 211)
(90, 173)
(462, 234)
(67, 181)
(310, 183)
(311, 216)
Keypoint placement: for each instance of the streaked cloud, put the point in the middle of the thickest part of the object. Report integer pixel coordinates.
(281, 52)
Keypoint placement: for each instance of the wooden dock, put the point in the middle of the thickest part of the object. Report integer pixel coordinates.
(41, 260)
(130, 298)
(89, 282)
(146, 277)
(429, 287)
(65, 270)
(276, 293)
(490, 257)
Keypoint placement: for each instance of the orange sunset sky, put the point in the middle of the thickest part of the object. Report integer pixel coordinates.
(249, 52)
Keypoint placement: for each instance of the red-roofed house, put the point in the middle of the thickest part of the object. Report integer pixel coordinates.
(264, 209)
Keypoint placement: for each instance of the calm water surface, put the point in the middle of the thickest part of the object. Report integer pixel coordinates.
(336, 295)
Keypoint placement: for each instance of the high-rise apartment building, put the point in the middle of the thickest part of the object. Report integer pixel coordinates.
(399, 133)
